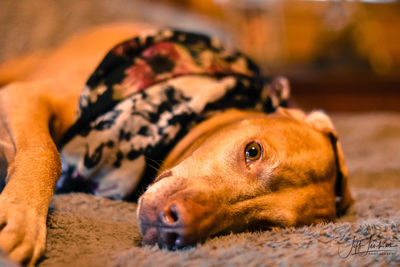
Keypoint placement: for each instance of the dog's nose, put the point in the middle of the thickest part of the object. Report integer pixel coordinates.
(173, 229)
(176, 228)
(173, 226)
(170, 215)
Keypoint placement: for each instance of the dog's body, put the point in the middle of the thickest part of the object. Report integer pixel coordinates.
(235, 170)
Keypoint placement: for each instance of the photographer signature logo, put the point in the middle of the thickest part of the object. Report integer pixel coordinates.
(369, 246)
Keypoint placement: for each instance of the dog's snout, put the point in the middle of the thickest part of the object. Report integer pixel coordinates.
(173, 225)
(171, 228)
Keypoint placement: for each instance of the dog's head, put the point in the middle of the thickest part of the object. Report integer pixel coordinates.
(243, 170)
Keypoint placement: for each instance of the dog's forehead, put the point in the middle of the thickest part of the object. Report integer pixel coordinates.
(265, 127)
(279, 137)
(279, 133)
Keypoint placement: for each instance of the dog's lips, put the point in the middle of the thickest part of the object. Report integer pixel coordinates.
(150, 237)
(169, 237)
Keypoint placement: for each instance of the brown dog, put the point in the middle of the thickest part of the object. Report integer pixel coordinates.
(234, 171)
(211, 183)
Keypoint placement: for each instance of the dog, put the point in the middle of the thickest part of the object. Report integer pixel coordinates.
(251, 164)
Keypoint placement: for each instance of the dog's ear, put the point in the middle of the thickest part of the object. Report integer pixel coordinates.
(320, 121)
(291, 113)
(342, 192)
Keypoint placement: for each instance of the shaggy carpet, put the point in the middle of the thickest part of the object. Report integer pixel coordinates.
(84, 230)
(87, 231)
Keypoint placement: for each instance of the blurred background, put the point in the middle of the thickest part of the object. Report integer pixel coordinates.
(338, 55)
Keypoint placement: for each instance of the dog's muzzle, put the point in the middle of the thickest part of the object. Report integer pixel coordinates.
(174, 217)
(176, 224)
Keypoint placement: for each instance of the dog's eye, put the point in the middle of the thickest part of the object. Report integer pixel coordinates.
(252, 152)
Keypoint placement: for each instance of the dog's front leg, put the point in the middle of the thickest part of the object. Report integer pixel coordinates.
(32, 172)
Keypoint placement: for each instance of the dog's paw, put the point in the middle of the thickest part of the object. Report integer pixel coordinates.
(22, 232)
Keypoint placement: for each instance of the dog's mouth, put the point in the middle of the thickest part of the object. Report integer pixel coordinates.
(166, 237)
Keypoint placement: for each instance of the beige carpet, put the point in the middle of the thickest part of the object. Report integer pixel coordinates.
(88, 231)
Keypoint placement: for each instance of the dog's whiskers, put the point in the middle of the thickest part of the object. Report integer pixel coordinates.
(155, 164)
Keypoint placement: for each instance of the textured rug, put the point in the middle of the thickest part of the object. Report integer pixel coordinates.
(87, 231)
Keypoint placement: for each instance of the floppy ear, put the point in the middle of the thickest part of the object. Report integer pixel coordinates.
(291, 113)
(323, 123)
